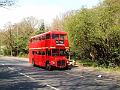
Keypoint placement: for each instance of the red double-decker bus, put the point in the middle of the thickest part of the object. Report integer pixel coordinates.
(49, 50)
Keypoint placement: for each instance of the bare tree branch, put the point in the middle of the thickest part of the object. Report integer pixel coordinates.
(4, 3)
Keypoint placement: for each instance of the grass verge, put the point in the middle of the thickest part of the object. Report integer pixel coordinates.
(90, 63)
(23, 55)
(109, 69)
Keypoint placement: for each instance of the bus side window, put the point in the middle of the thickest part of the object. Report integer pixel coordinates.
(39, 38)
(33, 52)
(43, 37)
(33, 40)
(36, 39)
(39, 53)
(48, 52)
(43, 53)
(48, 36)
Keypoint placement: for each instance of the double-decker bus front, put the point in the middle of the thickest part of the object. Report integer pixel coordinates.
(57, 57)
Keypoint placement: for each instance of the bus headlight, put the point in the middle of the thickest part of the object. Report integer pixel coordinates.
(67, 61)
(52, 62)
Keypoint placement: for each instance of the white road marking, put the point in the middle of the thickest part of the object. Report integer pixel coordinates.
(27, 76)
(34, 80)
(11, 68)
(52, 87)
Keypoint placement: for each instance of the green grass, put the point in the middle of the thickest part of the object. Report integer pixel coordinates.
(90, 63)
(86, 62)
(109, 69)
(23, 55)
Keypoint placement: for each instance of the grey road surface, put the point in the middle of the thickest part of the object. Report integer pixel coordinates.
(18, 74)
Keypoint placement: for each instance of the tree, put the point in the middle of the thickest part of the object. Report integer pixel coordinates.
(1, 43)
(57, 23)
(4, 3)
(8, 38)
(25, 30)
(80, 26)
(41, 28)
(96, 31)
(16, 37)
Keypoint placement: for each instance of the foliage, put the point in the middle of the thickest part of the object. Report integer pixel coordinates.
(96, 31)
(15, 38)
(4, 3)
(94, 34)
(41, 28)
(109, 69)
(87, 62)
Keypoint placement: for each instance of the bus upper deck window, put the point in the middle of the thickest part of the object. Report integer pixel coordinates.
(43, 37)
(39, 38)
(63, 36)
(55, 36)
(48, 36)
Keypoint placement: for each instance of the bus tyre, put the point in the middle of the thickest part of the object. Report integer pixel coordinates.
(69, 67)
(48, 67)
(33, 63)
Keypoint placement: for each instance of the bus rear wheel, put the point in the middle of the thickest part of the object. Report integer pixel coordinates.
(33, 63)
(48, 67)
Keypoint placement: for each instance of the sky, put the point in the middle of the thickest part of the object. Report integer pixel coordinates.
(41, 9)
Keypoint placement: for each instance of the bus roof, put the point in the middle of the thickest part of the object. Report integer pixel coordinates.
(49, 32)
